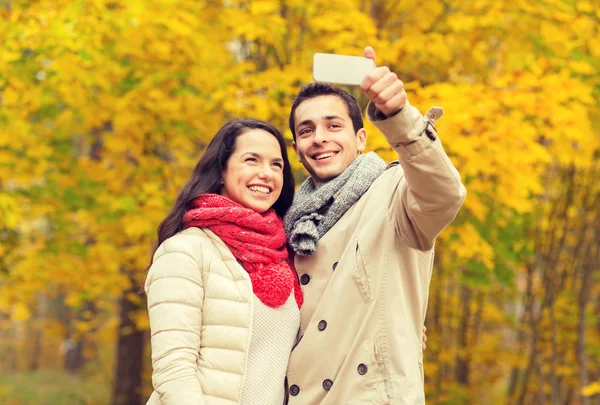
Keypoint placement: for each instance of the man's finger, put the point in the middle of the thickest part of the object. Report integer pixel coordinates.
(369, 52)
(393, 105)
(385, 88)
(388, 93)
(373, 77)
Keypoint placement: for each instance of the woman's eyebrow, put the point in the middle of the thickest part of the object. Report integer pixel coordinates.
(259, 156)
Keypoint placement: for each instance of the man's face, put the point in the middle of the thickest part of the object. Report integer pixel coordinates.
(325, 140)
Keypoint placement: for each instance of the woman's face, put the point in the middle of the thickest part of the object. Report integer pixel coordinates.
(253, 176)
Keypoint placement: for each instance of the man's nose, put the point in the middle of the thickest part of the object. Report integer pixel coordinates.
(321, 135)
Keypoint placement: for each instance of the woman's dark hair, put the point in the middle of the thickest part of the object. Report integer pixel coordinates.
(207, 175)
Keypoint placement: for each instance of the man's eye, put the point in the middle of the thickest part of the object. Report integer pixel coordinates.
(305, 131)
(335, 126)
(250, 159)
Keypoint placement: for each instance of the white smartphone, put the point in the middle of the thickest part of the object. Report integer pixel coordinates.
(341, 69)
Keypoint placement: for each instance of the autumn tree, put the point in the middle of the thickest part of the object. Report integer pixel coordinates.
(106, 106)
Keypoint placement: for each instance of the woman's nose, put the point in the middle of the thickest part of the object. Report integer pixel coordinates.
(265, 173)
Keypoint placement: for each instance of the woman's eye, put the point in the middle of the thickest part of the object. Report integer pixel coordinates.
(280, 165)
(250, 159)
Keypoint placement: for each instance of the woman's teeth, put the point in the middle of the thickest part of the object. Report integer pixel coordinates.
(259, 189)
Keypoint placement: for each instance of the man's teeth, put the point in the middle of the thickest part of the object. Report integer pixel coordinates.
(259, 189)
(324, 155)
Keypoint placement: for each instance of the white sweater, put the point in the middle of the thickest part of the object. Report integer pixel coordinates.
(274, 332)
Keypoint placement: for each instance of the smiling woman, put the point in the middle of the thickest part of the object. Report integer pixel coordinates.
(223, 297)
(254, 173)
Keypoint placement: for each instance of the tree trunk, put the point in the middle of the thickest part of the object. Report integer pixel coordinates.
(462, 359)
(72, 345)
(36, 351)
(556, 391)
(73, 351)
(130, 353)
(437, 327)
(584, 295)
(532, 362)
(528, 303)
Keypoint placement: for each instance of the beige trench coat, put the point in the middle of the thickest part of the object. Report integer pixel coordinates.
(366, 287)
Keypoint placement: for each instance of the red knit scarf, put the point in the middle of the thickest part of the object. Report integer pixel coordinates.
(256, 240)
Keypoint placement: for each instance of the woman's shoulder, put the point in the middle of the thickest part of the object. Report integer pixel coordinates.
(196, 243)
(189, 242)
(180, 256)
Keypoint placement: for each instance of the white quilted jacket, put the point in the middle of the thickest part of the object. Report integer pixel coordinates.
(200, 306)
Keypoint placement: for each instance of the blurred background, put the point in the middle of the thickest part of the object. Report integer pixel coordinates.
(106, 106)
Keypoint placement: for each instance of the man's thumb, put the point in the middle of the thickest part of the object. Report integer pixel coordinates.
(369, 52)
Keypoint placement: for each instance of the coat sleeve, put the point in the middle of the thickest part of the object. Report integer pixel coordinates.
(429, 191)
(175, 291)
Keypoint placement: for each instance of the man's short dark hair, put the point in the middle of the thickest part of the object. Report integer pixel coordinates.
(317, 89)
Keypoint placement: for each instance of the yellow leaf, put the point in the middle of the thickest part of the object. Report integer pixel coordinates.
(592, 389)
(20, 312)
(136, 226)
(9, 211)
(140, 319)
(582, 67)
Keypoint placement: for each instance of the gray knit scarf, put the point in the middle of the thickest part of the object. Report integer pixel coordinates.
(314, 211)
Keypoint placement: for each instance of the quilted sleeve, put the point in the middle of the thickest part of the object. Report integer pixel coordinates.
(175, 291)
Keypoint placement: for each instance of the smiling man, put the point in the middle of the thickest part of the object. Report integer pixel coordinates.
(322, 142)
(363, 233)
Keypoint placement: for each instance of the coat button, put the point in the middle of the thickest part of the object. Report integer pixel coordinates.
(305, 279)
(322, 325)
(362, 369)
(294, 390)
(327, 384)
(335, 265)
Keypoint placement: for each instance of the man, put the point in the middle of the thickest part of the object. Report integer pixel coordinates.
(363, 233)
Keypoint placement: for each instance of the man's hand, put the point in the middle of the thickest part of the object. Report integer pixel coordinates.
(383, 87)
(424, 338)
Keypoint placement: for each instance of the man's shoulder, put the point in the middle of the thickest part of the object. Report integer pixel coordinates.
(392, 164)
(392, 174)
(381, 193)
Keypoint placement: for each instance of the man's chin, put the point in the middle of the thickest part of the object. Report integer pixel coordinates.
(323, 176)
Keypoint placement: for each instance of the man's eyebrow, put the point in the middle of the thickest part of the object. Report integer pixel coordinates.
(305, 122)
(325, 118)
(332, 117)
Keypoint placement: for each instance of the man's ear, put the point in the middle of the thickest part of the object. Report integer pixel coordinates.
(295, 147)
(361, 136)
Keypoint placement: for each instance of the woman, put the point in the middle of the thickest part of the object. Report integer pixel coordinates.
(223, 298)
